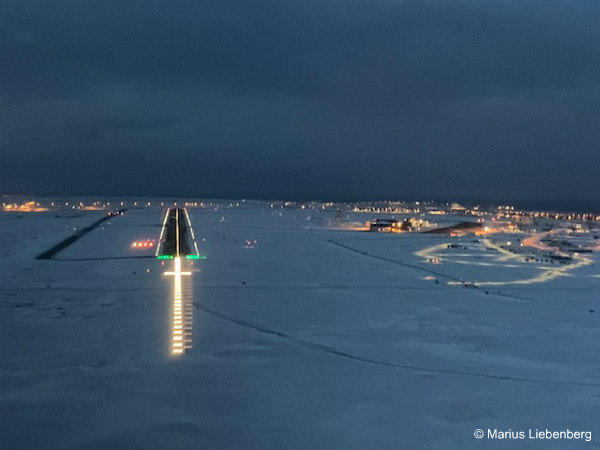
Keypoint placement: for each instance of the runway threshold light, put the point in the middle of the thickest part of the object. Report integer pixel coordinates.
(187, 257)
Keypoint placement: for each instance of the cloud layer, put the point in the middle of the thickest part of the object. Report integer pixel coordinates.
(305, 99)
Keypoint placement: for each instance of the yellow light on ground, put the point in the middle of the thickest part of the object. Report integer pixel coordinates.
(177, 337)
(502, 256)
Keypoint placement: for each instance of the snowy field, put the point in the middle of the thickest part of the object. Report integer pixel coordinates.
(311, 337)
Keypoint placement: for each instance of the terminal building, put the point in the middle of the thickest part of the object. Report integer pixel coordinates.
(389, 225)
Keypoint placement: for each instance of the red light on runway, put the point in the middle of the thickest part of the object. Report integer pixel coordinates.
(145, 243)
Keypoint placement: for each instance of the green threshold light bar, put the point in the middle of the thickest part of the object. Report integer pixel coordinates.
(186, 256)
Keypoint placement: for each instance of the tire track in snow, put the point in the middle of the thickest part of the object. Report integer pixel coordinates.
(439, 274)
(393, 261)
(327, 349)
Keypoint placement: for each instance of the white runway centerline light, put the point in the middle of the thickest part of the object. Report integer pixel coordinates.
(178, 324)
(182, 302)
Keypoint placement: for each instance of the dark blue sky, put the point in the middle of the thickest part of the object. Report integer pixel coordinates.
(336, 99)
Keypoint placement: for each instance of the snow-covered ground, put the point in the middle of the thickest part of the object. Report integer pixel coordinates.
(313, 337)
